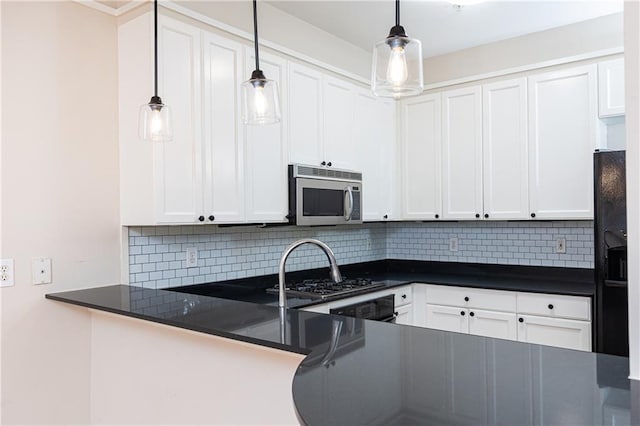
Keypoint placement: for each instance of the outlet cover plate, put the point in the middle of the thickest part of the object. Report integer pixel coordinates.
(41, 270)
(453, 244)
(6, 273)
(191, 260)
(561, 245)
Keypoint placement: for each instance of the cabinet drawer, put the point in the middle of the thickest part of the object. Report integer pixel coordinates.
(559, 332)
(494, 300)
(555, 306)
(404, 296)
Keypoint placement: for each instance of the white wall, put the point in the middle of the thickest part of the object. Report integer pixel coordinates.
(198, 379)
(59, 177)
(632, 105)
(288, 31)
(576, 39)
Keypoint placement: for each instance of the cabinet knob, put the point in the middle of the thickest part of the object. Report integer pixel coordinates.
(437, 216)
(533, 215)
(462, 313)
(466, 298)
(386, 216)
(201, 218)
(520, 319)
(324, 163)
(471, 314)
(395, 313)
(486, 215)
(550, 306)
(477, 215)
(212, 218)
(404, 296)
(329, 164)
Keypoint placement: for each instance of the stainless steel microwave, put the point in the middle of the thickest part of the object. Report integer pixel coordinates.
(322, 196)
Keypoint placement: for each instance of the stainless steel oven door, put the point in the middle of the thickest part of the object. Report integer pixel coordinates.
(328, 202)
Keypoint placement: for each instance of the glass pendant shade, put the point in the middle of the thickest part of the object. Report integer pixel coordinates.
(397, 67)
(154, 121)
(260, 102)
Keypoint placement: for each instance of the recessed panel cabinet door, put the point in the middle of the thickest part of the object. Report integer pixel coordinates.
(375, 145)
(178, 167)
(562, 333)
(265, 152)
(563, 115)
(447, 318)
(611, 88)
(462, 153)
(223, 130)
(338, 137)
(421, 157)
(505, 150)
(501, 325)
(305, 115)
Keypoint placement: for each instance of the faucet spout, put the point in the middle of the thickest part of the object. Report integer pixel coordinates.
(334, 271)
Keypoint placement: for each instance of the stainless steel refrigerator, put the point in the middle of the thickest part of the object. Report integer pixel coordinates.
(610, 226)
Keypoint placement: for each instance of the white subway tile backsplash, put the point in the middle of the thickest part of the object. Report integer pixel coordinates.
(157, 254)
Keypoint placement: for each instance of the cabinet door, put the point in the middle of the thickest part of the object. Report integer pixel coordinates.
(462, 153)
(223, 158)
(562, 138)
(178, 165)
(505, 150)
(420, 146)
(500, 325)
(305, 115)
(611, 88)
(404, 315)
(265, 152)
(375, 145)
(447, 318)
(338, 98)
(558, 332)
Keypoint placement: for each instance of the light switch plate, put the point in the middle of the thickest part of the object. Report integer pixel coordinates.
(41, 270)
(6, 273)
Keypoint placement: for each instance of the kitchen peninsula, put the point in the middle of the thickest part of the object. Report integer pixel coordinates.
(366, 372)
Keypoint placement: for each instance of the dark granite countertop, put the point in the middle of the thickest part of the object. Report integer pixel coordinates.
(365, 372)
(392, 273)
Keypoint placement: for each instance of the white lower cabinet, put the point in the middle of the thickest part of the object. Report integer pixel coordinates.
(404, 315)
(545, 319)
(563, 333)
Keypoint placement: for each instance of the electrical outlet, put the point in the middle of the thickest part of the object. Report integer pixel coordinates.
(6, 273)
(41, 270)
(453, 244)
(368, 244)
(561, 245)
(191, 260)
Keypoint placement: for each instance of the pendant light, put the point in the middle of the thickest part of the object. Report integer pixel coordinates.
(154, 120)
(260, 96)
(397, 64)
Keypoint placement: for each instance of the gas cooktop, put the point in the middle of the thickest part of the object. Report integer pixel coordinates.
(322, 289)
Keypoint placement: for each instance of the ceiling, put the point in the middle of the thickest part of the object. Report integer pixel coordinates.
(439, 25)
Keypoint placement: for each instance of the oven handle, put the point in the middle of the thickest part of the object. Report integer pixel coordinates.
(348, 212)
(391, 319)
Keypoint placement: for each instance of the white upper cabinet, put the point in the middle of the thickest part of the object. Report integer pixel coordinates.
(462, 153)
(611, 88)
(339, 111)
(178, 164)
(375, 146)
(321, 117)
(305, 115)
(505, 150)
(265, 152)
(223, 156)
(562, 138)
(420, 150)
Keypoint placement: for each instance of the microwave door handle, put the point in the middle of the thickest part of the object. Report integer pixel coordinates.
(348, 212)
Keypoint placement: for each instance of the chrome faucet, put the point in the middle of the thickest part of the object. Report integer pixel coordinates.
(334, 271)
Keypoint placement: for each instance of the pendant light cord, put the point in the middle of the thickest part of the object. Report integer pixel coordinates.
(397, 13)
(255, 33)
(155, 46)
